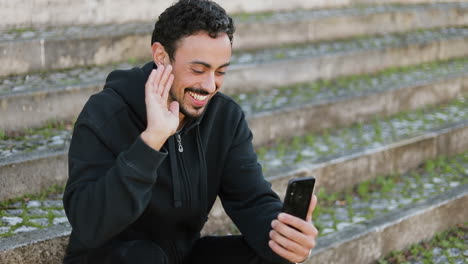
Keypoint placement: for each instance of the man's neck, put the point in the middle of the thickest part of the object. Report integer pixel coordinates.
(182, 120)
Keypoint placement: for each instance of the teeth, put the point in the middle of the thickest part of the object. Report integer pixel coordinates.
(198, 97)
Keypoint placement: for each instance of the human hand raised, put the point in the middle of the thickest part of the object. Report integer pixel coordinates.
(162, 118)
(293, 238)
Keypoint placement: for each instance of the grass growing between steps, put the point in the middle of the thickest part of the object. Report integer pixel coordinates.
(31, 212)
(355, 9)
(334, 212)
(423, 36)
(46, 131)
(313, 147)
(318, 91)
(449, 247)
(53, 135)
(384, 194)
(62, 78)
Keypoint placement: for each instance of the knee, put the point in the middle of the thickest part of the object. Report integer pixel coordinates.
(139, 251)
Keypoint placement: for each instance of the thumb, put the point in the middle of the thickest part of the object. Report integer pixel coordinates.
(174, 108)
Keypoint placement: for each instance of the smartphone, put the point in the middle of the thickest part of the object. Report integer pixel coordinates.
(298, 195)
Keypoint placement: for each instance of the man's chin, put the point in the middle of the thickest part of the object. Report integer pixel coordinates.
(193, 112)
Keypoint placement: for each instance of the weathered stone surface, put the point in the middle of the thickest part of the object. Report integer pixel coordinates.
(264, 76)
(45, 246)
(24, 229)
(60, 220)
(40, 221)
(53, 203)
(14, 212)
(37, 107)
(11, 221)
(32, 204)
(366, 243)
(338, 173)
(32, 173)
(52, 13)
(267, 126)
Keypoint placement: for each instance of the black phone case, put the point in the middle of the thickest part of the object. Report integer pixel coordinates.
(298, 195)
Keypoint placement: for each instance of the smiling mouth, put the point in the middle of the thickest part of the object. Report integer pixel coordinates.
(198, 97)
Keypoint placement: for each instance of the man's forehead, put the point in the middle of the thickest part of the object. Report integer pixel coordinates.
(201, 47)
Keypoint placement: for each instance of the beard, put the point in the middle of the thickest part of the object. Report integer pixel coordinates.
(195, 111)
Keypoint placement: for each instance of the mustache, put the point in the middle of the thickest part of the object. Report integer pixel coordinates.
(196, 90)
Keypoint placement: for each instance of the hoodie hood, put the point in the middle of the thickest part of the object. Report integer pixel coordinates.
(130, 85)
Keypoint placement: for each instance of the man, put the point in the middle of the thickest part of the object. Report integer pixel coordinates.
(152, 151)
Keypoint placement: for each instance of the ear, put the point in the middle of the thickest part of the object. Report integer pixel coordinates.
(160, 56)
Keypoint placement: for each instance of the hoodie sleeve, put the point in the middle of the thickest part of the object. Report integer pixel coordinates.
(105, 193)
(246, 196)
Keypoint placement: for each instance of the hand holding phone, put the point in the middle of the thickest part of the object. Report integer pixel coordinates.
(285, 242)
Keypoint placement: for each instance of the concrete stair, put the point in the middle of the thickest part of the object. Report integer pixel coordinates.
(57, 95)
(368, 89)
(56, 48)
(56, 12)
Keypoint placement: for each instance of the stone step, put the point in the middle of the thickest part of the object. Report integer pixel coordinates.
(355, 154)
(344, 101)
(267, 68)
(450, 246)
(369, 211)
(367, 242)
(301, 26)
(38, 159)
(40, 97)
(366, 222)
(62, 13)
(54, 48)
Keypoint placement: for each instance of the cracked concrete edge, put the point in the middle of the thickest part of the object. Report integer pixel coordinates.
(365, 243)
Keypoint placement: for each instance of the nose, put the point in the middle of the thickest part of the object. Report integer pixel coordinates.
(209, 83)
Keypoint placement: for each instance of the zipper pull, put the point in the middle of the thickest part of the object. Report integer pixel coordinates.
(179, 140)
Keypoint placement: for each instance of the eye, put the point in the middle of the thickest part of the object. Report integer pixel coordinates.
(221, 73)
(197, 72)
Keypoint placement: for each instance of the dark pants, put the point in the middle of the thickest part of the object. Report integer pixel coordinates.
(207, 250)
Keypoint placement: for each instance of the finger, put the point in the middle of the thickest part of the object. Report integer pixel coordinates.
(312, 205)
(293, 234)
(159, 71)
(297, 224)
(284, 253)
(167, 87)
(164, 79)
(150, 81)
(288, 244)
(174, 108)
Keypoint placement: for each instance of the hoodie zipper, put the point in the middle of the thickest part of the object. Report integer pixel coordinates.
(179, 141)
(187, 184)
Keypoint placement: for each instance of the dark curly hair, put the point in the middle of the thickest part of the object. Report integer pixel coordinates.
(187, 17)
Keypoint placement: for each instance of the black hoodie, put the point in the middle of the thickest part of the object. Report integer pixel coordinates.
(120, 189)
